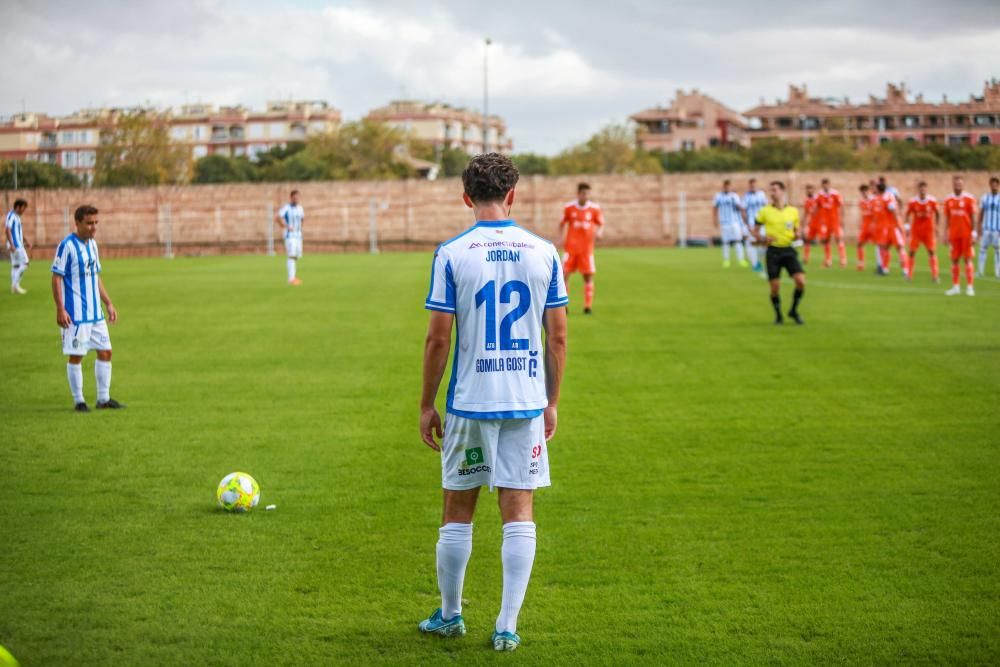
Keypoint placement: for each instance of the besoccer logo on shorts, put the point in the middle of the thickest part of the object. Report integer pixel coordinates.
(76, 343)
(473, 456)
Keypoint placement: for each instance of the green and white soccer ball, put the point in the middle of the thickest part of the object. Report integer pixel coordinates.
(238, 492)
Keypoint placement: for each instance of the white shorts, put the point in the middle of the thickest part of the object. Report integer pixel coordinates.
(293, 247)
(78, 339)
(990, 240)
(732, 233)
(509, 453)
(19, 257)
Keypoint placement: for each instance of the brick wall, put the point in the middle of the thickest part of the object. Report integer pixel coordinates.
(198, 219)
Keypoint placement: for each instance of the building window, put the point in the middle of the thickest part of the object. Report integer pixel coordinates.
(239, 150)
(317, 126)
(911, 121)
(67, 137)
(178, 133)
(883, 140)
(87, 158)
(199, 151)
(984, 120)
(235, 132)
(298, 131)
(197, 132)
(69, 159)
(84, 137)
(277, 130)
(255, 131)
(984, 140)
(785, 122)
(687, 145)
(958, 139)
(219, 133)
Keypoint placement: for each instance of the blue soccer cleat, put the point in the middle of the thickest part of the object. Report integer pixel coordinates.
(435, 625)
(505, 641)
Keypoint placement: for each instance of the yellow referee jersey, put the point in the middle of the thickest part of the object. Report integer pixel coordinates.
(780, 224)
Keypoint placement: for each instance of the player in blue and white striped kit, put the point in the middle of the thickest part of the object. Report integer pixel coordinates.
(13, 231)
(754, 200)
(502, 289)
(989, 227)
(78, 291)
(290, 217)
(728, 216)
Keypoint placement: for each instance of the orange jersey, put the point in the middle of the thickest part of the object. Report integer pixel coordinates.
(883, 210)
(828, 205)
(582, 223)
(959, 211)
(922, 212)
(809, 208)
(867, 216)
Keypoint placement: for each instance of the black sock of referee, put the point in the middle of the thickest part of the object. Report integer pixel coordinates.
(776, 303)
(799, 291)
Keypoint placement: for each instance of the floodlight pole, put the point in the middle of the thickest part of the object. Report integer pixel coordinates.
(486, 94)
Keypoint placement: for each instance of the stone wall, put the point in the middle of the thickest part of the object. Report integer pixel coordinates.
(212, 219)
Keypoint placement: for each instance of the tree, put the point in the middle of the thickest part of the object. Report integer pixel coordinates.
(829, 154)
(530, 163)
(771, 154)
(453, 161)
(709, 158)
(137, 150)
(223, 169)
(31, 174)
(610, 151)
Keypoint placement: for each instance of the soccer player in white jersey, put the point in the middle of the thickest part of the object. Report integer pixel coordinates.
(78, 291)
(989, 227)
(13, 231)
(502, 289)
(727, 215)
(290, 217)
(754, 200)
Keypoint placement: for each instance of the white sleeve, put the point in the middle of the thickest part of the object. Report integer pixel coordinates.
(441, 295)
(557, 295)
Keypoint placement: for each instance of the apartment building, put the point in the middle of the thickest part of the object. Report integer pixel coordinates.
(691, 121)
(444, 126)
(896, 117)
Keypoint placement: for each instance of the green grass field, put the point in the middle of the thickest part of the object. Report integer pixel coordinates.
(725, 491)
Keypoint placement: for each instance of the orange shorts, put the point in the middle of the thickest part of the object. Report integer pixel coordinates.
(578, 261)
(868, 235)
(922, 236)
(890, 236)
(961, 247)
(816, 230)
(832, 230)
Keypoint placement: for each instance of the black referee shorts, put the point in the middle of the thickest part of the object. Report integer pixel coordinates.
(782, 258)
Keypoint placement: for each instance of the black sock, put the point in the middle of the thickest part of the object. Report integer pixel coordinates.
(776, 302)
(799, 291)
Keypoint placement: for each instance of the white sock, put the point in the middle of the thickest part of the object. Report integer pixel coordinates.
(751, 253)
(14, 275)
(983, 252)
(20, 272)
(517, 554)
(739, 251)
(725, 251)
(102, 369)
(74, 373)
(291, 269)
(454, 547)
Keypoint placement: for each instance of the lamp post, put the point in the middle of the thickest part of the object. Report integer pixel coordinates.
(486, 94)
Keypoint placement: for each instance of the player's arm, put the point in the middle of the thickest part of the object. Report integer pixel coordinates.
(62, 317)
(436, 348)
(600, 223)
(715, 213)
(280, 219)
(555, 362)
(7, 236)
(106, 300)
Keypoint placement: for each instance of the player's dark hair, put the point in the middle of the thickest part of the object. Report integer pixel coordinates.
(864, 187)
(994, 180)
(922, 184)
(83, 211)
(825, 181)
(18, 203)
(779, 184)
(725, 182)
(489, 177)
(582, 186)
(752, 180)
(880, 186)
(293, 193)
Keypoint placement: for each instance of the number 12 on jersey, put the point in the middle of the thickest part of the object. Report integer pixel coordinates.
(487, 296)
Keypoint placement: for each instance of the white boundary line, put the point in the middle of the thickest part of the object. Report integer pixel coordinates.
(889, 288)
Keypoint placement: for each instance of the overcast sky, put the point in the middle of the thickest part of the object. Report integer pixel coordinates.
(559, 70)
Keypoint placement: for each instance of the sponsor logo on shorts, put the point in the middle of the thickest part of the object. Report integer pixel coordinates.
(473, 456)
(473, 462)
(75, 344)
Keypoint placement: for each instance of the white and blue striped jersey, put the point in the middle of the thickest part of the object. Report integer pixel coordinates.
(13, 223)
(729, 206)
(753, 201)
(78, 263)
(990, 206)
(292, 214)
(498, 279)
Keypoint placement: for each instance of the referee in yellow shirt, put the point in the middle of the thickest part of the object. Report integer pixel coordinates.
(778, 228)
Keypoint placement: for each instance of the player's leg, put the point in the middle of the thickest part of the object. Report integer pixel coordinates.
(738, 246)
(996, 254)
(956, 270)
(725, 251)
(841, 248)
(862, 239)
(794, 268)
(933, 260)
(773, 268)
(970, 268)
(588, 293)
(454, 547)
(74, 374)
(807, 246)
(751, 251)
(827, 251)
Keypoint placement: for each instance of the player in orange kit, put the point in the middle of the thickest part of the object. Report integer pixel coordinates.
(922, 215)
(869, 231)
(829, 204)
(888, 228)
(959, 212)
(810, 222)
(582, 223)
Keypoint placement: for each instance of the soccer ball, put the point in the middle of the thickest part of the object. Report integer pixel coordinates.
(238, 492)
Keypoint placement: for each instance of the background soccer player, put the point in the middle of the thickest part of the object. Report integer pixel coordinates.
(581, 224)
(78, 291)
(13, 231)
(810, 221)
(959, 213)
(829, 205)
(754, 200)
(290, 217)
(727, 214)
(989, 227)
(889, 228)
(501, 287)
(922, 215)
(777, 224)
(868, 232)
